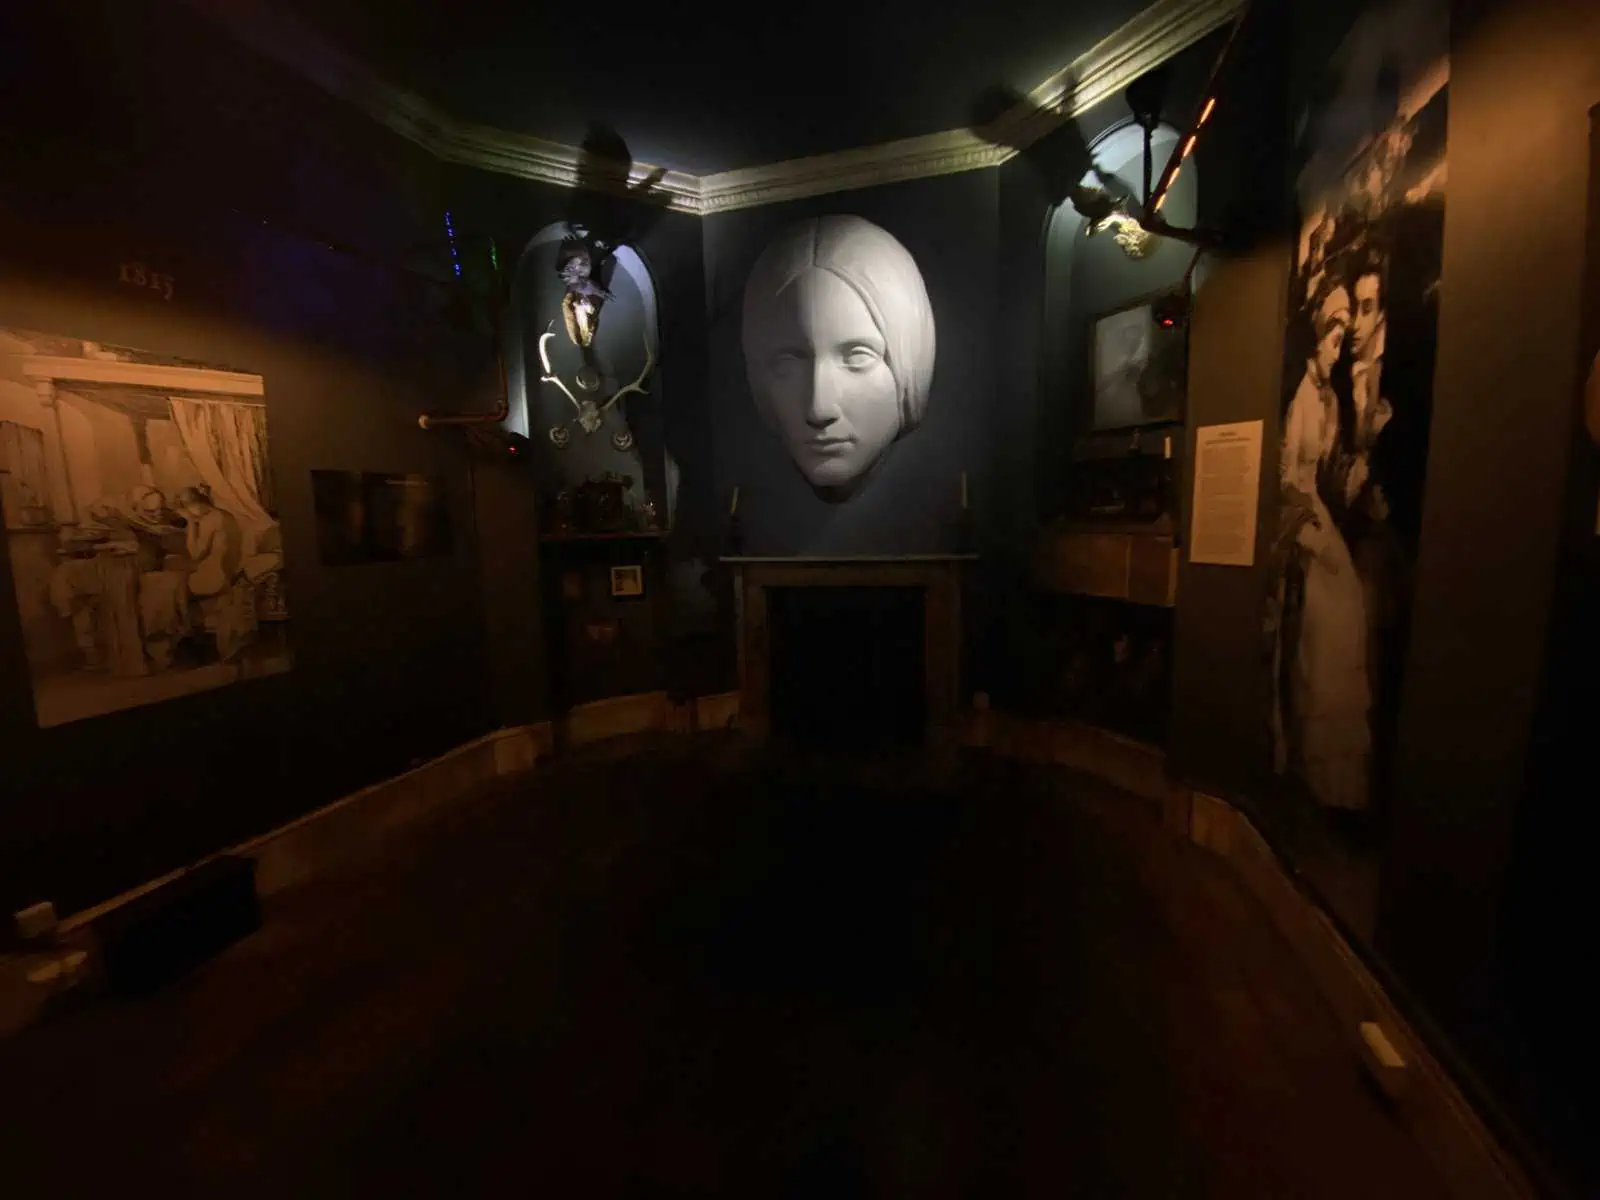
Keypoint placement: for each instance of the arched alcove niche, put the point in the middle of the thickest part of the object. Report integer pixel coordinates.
(1086, 277)
(626, 338)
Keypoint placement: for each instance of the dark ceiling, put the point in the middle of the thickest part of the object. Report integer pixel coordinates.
(704, 90)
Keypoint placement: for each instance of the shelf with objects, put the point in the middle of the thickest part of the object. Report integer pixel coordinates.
(1106, 570)
(1106, 566)
(586, 374)
(1105, 563)
(1117, 534)
(1121, 254)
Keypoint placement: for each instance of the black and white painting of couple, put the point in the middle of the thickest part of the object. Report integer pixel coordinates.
(141, 524)
(1358, 384)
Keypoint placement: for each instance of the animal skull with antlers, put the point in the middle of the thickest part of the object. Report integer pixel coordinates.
(590, 414)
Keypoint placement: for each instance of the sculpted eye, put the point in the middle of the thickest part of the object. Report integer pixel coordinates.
(861, 357)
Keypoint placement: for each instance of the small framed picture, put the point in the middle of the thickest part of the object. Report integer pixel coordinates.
(1138, 367)
(627, 581)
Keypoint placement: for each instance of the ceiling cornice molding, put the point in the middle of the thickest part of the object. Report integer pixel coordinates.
(529, 157)
(1166, 28)
(932, 154)
(290, 42)
(1162, 30)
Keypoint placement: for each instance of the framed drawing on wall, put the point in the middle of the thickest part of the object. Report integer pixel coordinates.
(627, 581)
(371, 516)
(1137, 366)
(1357, 400)
(141, 522)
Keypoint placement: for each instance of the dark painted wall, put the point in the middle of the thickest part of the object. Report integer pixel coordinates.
(1499, 475)
(308, 246)
(1550, 993)
(1523, 78)
(142, 134)
(1218, 738)
(1500, 468)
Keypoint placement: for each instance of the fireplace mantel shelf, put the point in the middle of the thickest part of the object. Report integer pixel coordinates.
(824, 559)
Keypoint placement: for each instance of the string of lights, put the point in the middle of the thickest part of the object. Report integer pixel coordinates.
(1181, 152)
(321, 240)
(450, 234)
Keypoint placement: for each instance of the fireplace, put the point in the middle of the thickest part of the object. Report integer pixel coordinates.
(847, 666)
(868, 648)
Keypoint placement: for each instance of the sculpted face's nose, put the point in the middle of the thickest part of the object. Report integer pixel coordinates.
(822, 406)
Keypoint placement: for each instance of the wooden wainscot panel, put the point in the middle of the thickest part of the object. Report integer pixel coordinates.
(942, 650)
(1152, 571)
(1088, 564)
(754, 669)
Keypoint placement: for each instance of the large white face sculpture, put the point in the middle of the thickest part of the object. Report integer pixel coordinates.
(838, 345)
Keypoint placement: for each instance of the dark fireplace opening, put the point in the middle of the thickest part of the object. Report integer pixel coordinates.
(847, 666)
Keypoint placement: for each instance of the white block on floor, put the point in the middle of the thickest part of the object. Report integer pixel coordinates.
(36, 921)
(1383, 1060)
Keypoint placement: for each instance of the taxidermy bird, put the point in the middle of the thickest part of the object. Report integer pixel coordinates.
(1102, 210)
(580, 306)
(1094, 204)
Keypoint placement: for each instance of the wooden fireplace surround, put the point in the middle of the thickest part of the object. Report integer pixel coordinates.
(938, 575)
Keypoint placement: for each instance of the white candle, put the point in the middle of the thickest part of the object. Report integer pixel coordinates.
(733, 508)
(963, 491)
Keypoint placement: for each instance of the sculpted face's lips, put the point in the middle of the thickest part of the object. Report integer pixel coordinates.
(826, 445)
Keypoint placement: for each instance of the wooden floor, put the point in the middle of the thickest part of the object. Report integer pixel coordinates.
(700, 972)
